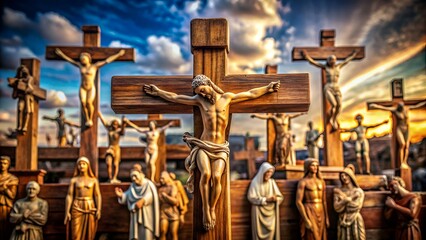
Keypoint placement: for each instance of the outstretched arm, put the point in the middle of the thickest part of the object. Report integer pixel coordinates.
(101, 117)
(379, 124)
(261, 116)
(377, 106)
(255, 92)
(153, 90)
(418, 105)
(162, 129)
(110, 59)
(296, 115)
(310, 60)
(348, 59)
(49, 118)
(71, 124)
(141, 130)
(66, 58)
(123, 125)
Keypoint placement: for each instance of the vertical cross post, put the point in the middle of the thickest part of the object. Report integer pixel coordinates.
(270, 127)
(250, 154)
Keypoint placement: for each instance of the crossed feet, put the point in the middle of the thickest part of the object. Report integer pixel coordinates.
(209, 219)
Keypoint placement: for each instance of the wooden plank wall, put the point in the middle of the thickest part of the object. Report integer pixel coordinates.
(115, 218)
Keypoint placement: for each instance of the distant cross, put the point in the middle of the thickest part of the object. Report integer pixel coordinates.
(209, 41)
(162, 147)
(397, 98)
(250, 154)
(332, 145)
(91, 42)
(270, 127)
(26, 148)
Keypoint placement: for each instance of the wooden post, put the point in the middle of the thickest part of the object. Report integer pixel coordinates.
(209, 41)
(333, 149)
(270, 127)
(91, 45)
(397, 91)
(250, 154)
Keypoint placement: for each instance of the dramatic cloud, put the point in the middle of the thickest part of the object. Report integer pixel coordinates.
(16, 19)
(6, 117)
(10, 56)
(54, 99)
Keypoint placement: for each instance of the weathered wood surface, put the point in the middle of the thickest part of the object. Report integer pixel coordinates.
(38, 92)
(321, 53)
(127, 95)
(96, 53)
(115, 217)
(270, 126)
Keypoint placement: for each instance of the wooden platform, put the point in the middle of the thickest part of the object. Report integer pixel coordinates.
(115, 218)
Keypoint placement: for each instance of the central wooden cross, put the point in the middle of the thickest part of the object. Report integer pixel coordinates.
(210, 46)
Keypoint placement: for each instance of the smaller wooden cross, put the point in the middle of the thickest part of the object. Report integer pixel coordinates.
(26, 148)
(250, 154)
(162, 151)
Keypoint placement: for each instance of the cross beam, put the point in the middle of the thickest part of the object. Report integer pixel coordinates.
(250, 154)
(91, 42)
(332, 145)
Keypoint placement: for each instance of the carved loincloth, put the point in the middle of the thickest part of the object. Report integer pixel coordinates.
(213, 150)
(334, 89)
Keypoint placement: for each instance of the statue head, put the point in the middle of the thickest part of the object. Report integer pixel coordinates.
(114, 124)
(137, 175)
(60, 112)
(359, 118)
(396, 185)
(264, 173)
(152, 125)
(348, 175)
(310, 125)
(400, 106)
(165, 178)
(85, 58)
(32, 189)
(4, 163)
(203, 86)
(311, 165)
(331, 60)
(82, 166)
(22, 72)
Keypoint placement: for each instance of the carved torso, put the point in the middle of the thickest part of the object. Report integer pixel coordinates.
(401, 119)
(282, 124)
(84, 186)
(114, 137)
(88, 74)
(61, 126)
(332, 75)
(313, 191)
(152, 139)
(360, 133)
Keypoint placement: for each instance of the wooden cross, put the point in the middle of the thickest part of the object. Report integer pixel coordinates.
(250, 154)
(270, 127)
(397, 92)
(162, 150)
(91, 42)
(332, 145)
(26, 148)
(209, 42)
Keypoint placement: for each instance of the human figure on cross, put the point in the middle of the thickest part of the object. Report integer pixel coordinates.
(331, 89)
(61, 122)
(400, 112)
(88, 72)
(210, 153)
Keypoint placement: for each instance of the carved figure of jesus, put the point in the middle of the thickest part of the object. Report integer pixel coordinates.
(402, 129)
(88, 73)
(151, 150)
(331, 88)
(283, 139)
(61, 122)
(210, 153)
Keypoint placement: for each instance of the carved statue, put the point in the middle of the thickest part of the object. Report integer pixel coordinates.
(210, 153)
(400, 113)
(265, 197)
(25, 98)
(311, 202)
(113, 153)
(88, 72)
(362, 147)
(311, 141)
(183, 199)
(404, 207)
(61, 123)
(8, 188)
(29, 214)
(151, 150)
(331, 89)
(283, 137)
(73, 137)
(142, 201)
(348, 202)
(169, 196)
(83, 202)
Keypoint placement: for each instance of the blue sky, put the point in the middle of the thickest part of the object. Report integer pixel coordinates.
(261, 32)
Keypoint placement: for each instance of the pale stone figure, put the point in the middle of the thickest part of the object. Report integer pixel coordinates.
(348, 202)
(113, 153)
(151, 150)
(311, 141)
(142, 201)
(88, 71)
(362, 147)
(400, 113)
(405, 207)
(29, 215)
(8, 187)
(311, 202)
(265, 198)
(331, 88)
(83, 202)
(61, 122)
(168, 194)
(25, 98)
(283, 139)
(210, 153)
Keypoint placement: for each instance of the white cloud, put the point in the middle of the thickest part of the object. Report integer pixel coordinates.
(57, 29)
(10, 56)
(54, 99)
(5, 117)
(16, 19)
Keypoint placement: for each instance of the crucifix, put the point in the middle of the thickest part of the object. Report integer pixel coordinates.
(332, 97)
(161, 155)
(26, 87)
(209, 42)
(83, 57)
(250, 154)
(399, 108)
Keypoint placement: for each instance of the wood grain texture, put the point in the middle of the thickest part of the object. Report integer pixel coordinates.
(322, 53)
(38, 93)
(210, 33)
(97, 53)
(270, 126)
(127, 95)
